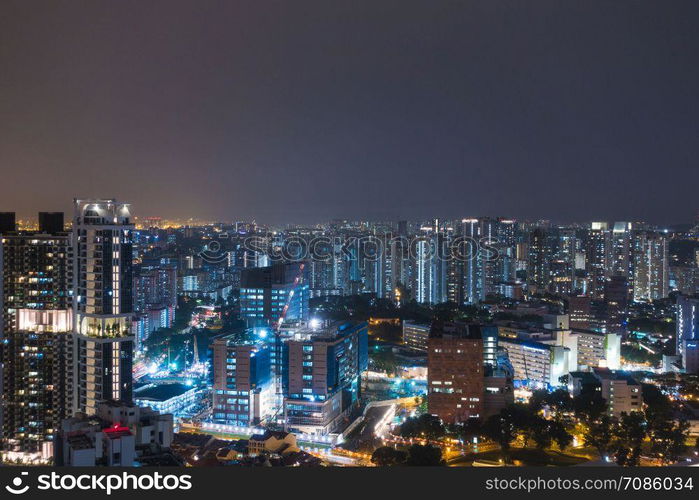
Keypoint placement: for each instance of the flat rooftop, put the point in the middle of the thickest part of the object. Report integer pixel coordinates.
(161, 392)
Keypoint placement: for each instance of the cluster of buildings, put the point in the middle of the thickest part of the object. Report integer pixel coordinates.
(305, 377)
(465, 261)
(473, 369)
(67, 328)
(78, 304)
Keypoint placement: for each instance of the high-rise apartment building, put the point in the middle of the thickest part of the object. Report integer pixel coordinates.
(687, 332)
(597, 258)
(37, 344)
(539, 261)
(651, 272)
(102, 298)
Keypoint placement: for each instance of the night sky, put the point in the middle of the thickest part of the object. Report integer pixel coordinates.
(303, 111)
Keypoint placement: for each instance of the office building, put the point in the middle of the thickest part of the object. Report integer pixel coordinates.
(416, 335)
(166, 398)
(456, 372)
(243, 390)
(536, 364)
(273, 294)
(539, 262)
(321, 376)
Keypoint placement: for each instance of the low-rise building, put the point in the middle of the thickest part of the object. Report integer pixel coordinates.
(166, 398)
(622, 393)
(277, 442)
(537, 364)
(116, 436)
(416, 335)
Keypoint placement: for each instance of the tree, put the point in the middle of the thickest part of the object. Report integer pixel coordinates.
(538, 400)
(426, 425)
(501, 429)
(470, 429)
(386, 456)
(600, 433)
(657, 406)
(628, 438)
(541, 433)
(669, 441)
(524, 419)
(424, 455)
(559, 401)
(560, 434)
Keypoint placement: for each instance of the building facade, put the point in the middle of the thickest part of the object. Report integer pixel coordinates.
(102, 302)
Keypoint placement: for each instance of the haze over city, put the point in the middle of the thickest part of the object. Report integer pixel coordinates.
(299, 112)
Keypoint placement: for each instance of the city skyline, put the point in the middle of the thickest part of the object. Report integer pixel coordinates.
(365, 111)
(304, 234)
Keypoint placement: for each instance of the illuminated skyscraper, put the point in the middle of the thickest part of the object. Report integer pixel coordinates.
(687, 327)
(597, 257)
(102, 301)
(539, 263)
(651, 273)
(36, 335)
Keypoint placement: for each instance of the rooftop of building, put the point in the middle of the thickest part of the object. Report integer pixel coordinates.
(585, 377)
(327, 332)
(80, 442)
(280, 435)
(528, 343)
(161, 392)
(470, 331)
(607, 374)
(116, 431)
(422, 324)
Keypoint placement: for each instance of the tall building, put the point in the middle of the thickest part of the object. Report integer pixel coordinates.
(431, 265)
(620, 263)
(616, 292)
(321, 374)
(687, 332)
(539, 262)
(274, 293)
(37, 344)
(597, 257)
(580, 311)
(102, 302)
(243, 384)
(472, 269)
(651, 273)
(456, 372)
(154, 298)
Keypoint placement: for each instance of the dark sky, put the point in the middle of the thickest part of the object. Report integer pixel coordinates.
(302, 111)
